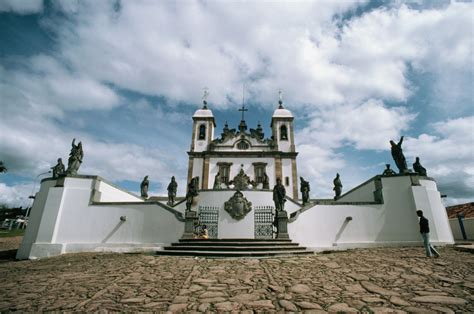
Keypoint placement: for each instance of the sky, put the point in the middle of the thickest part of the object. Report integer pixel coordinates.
(125, 77)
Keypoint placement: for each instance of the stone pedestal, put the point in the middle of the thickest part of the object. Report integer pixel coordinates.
(191, 219)
(282, 218)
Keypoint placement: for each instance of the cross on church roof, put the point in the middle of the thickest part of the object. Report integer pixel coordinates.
(243, 109)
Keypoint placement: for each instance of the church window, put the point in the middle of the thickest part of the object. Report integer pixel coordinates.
(259, 168)
(202, 132)
(283, 133)
(224, 171)
(242, 145)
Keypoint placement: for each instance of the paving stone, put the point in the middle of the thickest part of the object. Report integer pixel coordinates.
(212, 294)
(308, 305)
(439, 299)
(377, 289)
(213, 300)
(288, 305)
(181, 307)
(227, 306)
(372, 300)
(300, 288)
(204, 307)
(398, 301)
(261, 304)
(442, 309)
(381, 309)
(341, 307)
(245, 297)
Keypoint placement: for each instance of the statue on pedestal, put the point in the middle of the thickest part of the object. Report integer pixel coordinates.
(388, 171)
(266, 182)
(59, 169)
(192, 192)
(144, 187)
(217, 181)
(304, 188)
(75, 159)
(418, 168)
(337, 186)
(279, 194)
(172, 188)
(398, 157)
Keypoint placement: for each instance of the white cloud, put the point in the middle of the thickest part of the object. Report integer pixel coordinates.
(17, 195)
(366, 126)
(448, 155)
(21, 6)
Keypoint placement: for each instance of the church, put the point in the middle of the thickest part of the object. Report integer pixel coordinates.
(217, 161)
(232, 177)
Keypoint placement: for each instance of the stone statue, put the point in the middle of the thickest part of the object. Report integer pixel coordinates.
(388, 171)
(337, 186)
(418, 168)
(266, 182)
(304, 188)
(279, 193)
(192, 192)
(59, 169)
(172, 188)
(398, 157)
(217, 181)
(144, 187)
(75, 159)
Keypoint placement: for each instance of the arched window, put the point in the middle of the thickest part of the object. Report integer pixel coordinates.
(242, 145)
(283, 133)
(202, 132)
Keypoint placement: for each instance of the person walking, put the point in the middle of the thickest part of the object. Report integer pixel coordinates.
(425, 234)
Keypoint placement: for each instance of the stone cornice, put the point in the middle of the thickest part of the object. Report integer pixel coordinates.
(239, 154)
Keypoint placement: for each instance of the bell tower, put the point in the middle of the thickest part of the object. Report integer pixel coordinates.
(285, 158)
(202, 135)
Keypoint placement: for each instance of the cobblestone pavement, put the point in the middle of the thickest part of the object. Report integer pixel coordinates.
(378, 280)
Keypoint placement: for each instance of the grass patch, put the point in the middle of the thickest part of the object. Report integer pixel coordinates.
(11, 233)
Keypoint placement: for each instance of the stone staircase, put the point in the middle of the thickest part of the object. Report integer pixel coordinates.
(234, 248)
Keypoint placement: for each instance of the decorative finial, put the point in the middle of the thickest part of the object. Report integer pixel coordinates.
(204, 97)
(280, 101)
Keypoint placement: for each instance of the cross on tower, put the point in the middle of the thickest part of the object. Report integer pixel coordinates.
(243, 109)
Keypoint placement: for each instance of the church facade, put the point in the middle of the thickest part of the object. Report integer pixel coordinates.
(243, 158)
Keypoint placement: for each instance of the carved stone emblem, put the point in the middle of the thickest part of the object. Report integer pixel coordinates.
(238, 206)
(241, 181)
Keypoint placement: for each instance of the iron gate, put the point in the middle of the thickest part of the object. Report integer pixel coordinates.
(209, 216)
(264, 222)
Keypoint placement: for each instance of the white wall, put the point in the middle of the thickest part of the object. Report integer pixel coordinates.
(468, 228)
(392, 223)
(64, 219)
(111, 193)
(364, 193)
(66, 222)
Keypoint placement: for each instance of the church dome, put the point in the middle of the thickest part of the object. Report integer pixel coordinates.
(203, 113)
(282, 112)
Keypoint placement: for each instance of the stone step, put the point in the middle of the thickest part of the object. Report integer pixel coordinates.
(234, 253)
(234, 243)
(236, 240)
(234, 248)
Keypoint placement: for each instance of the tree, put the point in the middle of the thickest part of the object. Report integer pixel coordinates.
(3, 169)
